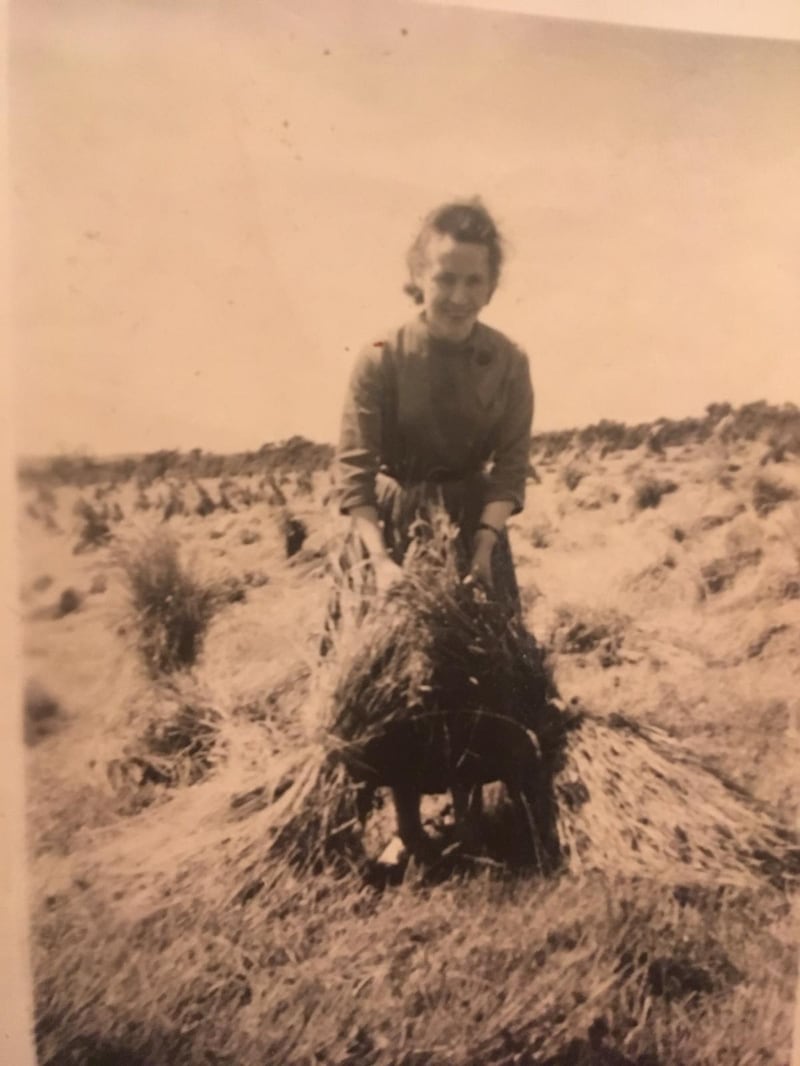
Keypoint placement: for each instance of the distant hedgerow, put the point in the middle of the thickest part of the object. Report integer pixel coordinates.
(171, 606)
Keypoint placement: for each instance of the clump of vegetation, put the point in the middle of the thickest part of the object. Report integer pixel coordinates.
(584, 635)
(294, 532)
(98, 585)
(42, 713)
(540, 535)
(648, 493)
(585, 631)
(69, 601)
(175, 504)
(205, 505)
(231, 589)
(572, 476)
(255, 579)
(171, 606)
(720, 574)
(769, 494)
(181, 744)
(95, 531)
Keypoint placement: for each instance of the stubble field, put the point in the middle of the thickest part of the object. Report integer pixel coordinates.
(663, 581)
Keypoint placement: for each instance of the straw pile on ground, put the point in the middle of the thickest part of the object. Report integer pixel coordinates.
(632, 800)
(440, 682)
(437, 679)
(181, 743)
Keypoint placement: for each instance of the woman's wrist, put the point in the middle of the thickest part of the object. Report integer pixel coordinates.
(488, 527)
(485, 541)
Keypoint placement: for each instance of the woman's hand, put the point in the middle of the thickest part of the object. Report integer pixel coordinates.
(387, 572)
(480, 570)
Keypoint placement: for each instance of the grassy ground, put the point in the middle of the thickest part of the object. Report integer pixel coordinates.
(165, 932)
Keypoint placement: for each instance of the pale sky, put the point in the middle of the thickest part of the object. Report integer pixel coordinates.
(211, 204)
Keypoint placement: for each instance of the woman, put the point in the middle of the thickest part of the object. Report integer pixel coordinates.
(440, 410)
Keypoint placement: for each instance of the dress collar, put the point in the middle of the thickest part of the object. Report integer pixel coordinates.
(477, 344)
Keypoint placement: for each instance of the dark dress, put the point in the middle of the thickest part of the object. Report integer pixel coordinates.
(429, 423)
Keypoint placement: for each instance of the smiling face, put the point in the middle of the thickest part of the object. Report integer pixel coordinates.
(456, 284)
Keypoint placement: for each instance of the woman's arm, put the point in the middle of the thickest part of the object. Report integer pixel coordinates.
(358, 459)
(358, 451)
(495, 515)
(505, 494)
(512, 450)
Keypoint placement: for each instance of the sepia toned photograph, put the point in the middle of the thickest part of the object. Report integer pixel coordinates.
(406, 448)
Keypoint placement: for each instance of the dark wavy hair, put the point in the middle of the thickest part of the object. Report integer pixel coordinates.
(463, 220)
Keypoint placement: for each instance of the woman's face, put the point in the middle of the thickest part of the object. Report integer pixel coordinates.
(456, 285)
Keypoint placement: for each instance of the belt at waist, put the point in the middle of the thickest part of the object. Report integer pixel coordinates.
(436, 476)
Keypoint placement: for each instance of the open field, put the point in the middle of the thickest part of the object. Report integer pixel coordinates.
(661, 571)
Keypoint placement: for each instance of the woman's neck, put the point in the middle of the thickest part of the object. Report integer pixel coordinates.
(448, 342)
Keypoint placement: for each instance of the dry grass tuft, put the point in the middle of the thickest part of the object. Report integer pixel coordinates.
(583, 631)
(649, 493)
(720, 574)
(95, 531)
(69, 601)
(572, 476)
(42, 713)
(171, 606)
(182, 743)
(294, 532)
(768, 493)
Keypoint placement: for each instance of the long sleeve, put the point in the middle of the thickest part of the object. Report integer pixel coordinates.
(359, 452)
(513, 448)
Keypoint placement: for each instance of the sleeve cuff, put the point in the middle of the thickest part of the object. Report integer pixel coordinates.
(349, 498)
(498, 495)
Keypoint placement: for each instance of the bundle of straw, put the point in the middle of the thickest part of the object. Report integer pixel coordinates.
(416, 686)
(439, 670)
(632, 800)
(180, 745)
